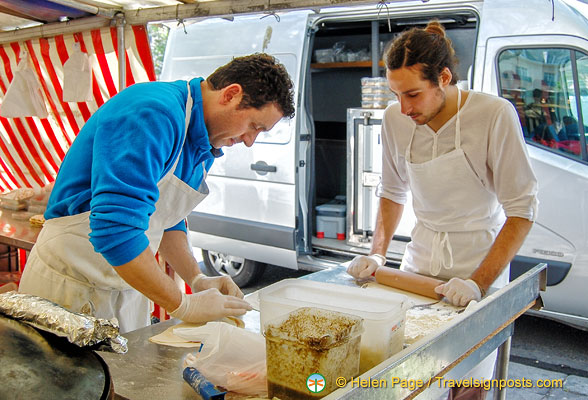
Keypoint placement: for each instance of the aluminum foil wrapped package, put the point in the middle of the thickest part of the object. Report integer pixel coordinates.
(80, 329)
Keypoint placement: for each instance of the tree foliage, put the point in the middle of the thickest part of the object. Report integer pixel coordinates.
(157, 41)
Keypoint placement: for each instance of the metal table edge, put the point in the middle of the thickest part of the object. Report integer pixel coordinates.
(436, 355)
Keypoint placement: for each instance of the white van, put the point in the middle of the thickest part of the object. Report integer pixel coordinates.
(262, 206)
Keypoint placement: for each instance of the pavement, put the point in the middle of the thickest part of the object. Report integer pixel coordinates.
(573, 387)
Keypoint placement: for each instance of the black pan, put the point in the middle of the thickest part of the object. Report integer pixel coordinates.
(40, 365)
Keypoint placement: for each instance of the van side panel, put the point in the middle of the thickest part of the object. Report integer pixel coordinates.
(249, 186)
(559, 235)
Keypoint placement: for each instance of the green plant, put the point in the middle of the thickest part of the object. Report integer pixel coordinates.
(157, 41)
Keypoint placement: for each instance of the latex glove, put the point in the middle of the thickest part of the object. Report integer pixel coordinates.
(223, 283)
(459, 292)
(364, 266)
(209, 305)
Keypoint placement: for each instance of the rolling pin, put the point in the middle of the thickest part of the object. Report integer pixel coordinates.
(408, 281)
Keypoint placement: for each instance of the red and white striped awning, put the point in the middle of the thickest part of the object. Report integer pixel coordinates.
(31, 149)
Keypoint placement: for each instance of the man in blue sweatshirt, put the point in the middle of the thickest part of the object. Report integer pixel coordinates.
(134, 172)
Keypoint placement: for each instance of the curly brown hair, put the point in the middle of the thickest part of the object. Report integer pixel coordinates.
(263, 79)
(428, 46)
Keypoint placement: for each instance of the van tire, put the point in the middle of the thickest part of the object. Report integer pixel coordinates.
(241, 270)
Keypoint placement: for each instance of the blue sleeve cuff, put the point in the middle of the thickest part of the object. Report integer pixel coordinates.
(181, 226)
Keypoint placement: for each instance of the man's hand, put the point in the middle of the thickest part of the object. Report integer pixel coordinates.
(364, 266)
(209, 305)
(223, 283)
(459, 292)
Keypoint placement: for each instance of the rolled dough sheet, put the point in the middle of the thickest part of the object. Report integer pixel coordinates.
(421, 322)
(168, 338)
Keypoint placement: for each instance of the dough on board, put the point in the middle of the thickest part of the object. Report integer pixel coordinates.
(168, 338)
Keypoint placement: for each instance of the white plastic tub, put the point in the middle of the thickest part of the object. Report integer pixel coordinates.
(330, 221)
(383, 312)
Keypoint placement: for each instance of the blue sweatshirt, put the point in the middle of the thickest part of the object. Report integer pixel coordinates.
(122, 152)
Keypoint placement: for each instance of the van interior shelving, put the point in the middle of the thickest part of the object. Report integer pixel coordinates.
(341, 55)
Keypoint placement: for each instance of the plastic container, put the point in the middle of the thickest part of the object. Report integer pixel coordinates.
(16, 200)
(330, 221)
(376, 104)
(376, 81)
(40, 199)
(381, 90)
(19, 194)
(311, 341)
(383, 312)
(22, 215)
(14, 205)
(324, 56)
(37, 209)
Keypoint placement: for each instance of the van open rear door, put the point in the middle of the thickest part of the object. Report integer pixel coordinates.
(251, 210)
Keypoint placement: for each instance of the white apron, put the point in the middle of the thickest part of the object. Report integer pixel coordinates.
(458, 218)
(457, 221)
(63, 266)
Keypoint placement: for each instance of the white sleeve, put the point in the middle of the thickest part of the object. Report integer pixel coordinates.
(514, 180)
(394, 184)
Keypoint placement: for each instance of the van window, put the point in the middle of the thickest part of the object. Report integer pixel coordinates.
(281, 133)
(543, 85)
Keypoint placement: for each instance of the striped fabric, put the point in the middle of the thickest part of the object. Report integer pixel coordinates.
(31, 149)
(158, 311)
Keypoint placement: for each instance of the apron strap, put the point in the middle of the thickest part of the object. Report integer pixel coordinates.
(189, 103)
(458, 121)
(441, 246)
(407, 151)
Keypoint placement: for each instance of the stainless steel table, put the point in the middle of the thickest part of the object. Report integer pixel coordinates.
(148, 370)
(17, 233)
(154, 371)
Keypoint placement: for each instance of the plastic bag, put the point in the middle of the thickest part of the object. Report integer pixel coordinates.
(230, 357)
(77, 76)
(24, 97)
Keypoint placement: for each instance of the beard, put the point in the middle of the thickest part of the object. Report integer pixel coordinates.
(424, 119)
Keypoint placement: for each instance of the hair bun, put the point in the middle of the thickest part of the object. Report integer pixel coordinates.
(434, 27)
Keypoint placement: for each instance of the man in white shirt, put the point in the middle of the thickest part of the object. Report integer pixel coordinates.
(463, 157)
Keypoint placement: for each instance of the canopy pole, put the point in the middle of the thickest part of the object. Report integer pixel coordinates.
(120, 34)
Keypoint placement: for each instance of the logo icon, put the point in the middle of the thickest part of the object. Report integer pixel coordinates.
(315, 383)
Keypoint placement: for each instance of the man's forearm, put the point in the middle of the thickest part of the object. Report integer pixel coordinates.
(144, 274)
(389, 214)
(176, 250)
(507, 243)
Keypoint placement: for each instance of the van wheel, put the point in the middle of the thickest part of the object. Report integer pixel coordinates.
(242, 270)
